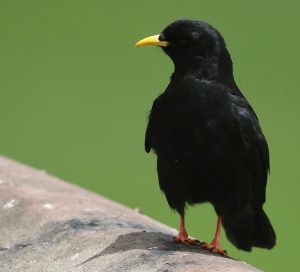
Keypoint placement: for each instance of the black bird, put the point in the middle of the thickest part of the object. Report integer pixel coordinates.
(208, 141)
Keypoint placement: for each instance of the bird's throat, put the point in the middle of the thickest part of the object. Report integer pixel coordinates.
(206, 68)
(203, 69)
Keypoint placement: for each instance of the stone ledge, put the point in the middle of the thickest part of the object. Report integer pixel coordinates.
(49, 225)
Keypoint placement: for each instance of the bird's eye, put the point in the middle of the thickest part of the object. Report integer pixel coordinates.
(162, 37)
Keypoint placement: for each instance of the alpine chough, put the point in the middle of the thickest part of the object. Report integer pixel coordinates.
(208, 140)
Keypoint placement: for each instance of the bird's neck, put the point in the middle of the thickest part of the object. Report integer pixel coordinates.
(207, 68)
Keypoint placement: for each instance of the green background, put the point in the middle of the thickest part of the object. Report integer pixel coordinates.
(75, 94)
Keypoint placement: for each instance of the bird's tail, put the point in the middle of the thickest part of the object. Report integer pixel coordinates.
(249, 229)
(264, 235)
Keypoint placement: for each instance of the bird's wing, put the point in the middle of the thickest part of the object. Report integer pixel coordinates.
(149, 136)
(254, 142)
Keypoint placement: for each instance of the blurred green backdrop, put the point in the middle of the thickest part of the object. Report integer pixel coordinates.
(75, 93)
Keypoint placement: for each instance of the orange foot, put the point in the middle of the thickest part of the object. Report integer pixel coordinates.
(214, 248)
(183, 238)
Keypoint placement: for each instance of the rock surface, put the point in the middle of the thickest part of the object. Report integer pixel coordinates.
(49, 225)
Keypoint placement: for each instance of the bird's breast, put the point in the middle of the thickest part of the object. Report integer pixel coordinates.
(189, 125)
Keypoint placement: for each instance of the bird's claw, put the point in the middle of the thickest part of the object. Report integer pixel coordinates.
(184, 239)
(214, 248)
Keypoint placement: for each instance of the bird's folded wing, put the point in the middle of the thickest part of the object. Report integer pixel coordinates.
(255, 144)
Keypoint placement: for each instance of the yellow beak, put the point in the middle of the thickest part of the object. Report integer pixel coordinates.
(152, 40)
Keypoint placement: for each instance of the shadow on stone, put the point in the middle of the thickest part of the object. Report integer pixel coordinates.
(154, 241)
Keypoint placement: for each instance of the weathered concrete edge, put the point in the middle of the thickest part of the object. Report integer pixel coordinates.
(56, 225)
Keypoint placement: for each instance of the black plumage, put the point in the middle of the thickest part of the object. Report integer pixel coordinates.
(208, 141)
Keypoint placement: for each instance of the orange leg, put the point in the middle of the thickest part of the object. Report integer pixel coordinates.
(214, 246)
(182, 236)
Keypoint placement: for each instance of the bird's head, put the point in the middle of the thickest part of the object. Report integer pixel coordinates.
(193, 46)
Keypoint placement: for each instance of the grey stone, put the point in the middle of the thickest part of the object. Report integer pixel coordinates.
(49, 225)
